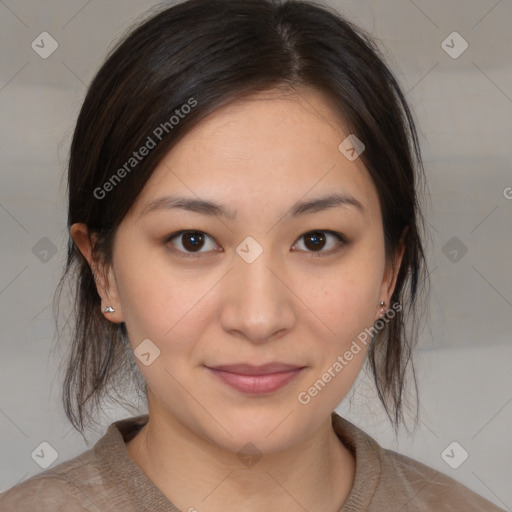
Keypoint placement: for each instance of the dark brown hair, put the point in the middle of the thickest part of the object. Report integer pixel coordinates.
(214, 52)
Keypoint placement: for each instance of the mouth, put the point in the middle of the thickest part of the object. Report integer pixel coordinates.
(256, 380)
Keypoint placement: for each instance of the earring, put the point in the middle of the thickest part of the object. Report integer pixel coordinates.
(109, 309)
(382, 305)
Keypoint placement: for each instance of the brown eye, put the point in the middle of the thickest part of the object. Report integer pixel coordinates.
(316, 241)
(191, 241)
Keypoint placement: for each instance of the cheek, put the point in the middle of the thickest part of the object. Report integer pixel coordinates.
(347, 307)
(347, 302)
(166, 305)
(152, 302)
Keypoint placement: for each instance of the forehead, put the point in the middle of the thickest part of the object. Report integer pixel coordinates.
(270, 148)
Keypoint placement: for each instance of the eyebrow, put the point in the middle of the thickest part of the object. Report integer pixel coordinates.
(214, 209)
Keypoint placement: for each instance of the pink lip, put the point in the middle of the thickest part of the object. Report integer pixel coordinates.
(256, 380)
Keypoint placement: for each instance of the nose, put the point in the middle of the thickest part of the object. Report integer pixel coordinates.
(257, 303)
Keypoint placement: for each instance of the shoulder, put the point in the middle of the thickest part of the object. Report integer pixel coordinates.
(69, 486)
(94, 481)
(422, 488)
(387, 480)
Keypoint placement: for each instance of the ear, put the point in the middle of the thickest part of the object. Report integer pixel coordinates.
(391, 273)
(103, 277)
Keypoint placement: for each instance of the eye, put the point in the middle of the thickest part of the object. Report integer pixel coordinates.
(191, 241)
(316, 241)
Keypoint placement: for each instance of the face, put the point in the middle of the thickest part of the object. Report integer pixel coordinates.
(256, 280)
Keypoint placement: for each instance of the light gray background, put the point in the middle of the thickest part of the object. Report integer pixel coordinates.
(463, 107)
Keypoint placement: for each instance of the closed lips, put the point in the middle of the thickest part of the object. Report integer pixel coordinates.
(267, 369)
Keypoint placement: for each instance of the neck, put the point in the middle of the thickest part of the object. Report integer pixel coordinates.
(197, 475)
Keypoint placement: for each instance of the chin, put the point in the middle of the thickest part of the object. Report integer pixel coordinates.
(270, 430)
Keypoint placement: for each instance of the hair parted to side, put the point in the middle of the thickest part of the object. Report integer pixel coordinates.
(217, 51)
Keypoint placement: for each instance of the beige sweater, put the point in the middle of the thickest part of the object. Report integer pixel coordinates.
(106, 479)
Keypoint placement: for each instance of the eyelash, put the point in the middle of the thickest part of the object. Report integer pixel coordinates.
(341, 238)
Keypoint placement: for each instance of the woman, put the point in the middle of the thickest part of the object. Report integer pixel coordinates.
(244, 220)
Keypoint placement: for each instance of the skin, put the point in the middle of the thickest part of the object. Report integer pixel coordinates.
(257, 157)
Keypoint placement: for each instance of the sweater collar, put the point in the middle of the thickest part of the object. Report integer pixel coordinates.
(119, 471)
